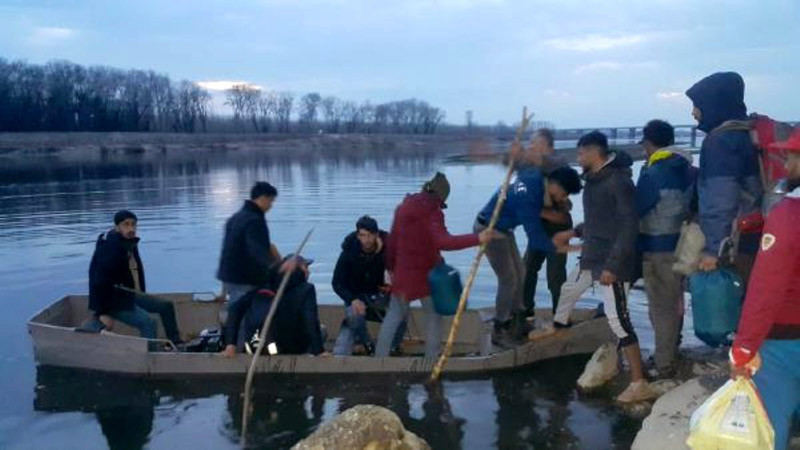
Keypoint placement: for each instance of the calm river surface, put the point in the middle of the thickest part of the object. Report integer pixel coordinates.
(51, 214)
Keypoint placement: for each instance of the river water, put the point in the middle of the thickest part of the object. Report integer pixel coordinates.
(52, 211)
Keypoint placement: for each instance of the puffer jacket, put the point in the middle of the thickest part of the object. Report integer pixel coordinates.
(611, 225)
(358, 273)
(663, 196)
(110, 267)
(417, 236)
(729, 184)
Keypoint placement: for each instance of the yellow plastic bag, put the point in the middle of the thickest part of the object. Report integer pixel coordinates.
(733, 418)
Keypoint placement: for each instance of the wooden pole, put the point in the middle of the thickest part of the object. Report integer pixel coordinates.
(462, 302)
(262, 338)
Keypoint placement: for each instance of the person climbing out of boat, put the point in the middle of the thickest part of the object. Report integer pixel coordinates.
(116, 263)
(608, 254)
(769, 329)
(729, 184)
(417, 237)
(523, 206)
(295, 329)
(555, 217)
(664, 193)
(358, 280)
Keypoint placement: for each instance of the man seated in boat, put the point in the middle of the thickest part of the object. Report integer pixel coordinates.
(359, 280)
(116, 273)
(294, 330)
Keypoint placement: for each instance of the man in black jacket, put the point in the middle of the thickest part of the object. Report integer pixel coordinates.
(608, 256)
(359, 280)
(116, 262)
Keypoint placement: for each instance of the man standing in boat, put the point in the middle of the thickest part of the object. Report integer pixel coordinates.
(418, 235)
(608, 255)
(523, 206)
(359, 280)
(116, 264)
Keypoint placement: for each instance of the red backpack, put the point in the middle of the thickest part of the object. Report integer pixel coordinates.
(765, 132)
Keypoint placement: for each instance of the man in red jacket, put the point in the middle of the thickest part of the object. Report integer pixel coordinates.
(418, 235)
(769, 329)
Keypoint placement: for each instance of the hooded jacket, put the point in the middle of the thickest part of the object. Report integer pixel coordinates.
(417, 236)
(246, 248)
(358, 273)
(729, 184)
(110, 266)
(664, 193)
(523, 206)
(611, 225)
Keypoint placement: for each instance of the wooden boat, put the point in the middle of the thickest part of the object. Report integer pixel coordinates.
(58, 341)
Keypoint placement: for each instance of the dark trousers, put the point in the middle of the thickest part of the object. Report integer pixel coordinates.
(164, 309)
(556, 269)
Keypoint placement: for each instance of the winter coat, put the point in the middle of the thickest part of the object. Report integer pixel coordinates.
(358, 273)
(523, 206)
(664, 193)
(246, 248)
(110, 266)
(417, 236)
(729, 183)
(611, 225)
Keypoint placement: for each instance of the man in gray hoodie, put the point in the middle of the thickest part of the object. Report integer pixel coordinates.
(608, 255)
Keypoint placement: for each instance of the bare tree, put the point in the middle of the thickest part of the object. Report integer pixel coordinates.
(308, 108)
(332, 113)
(283, 112)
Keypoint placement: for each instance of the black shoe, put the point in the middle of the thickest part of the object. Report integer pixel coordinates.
(369, 349)
(503, 333)
(561, 326)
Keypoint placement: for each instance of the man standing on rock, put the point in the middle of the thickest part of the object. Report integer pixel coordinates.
(769, 329)
(608, 256)
(663, 197)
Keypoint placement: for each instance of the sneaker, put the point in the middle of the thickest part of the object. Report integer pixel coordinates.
(541, 333)
(637, 391)
(502, 335)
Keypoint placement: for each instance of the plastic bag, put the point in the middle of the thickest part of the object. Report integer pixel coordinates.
(689, 249)
(716, 305)
(445, 284)
(733, 418)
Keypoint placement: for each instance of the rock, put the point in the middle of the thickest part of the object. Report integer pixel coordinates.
(363, 427)
(663, 386)
(709, 367)
(602, 367)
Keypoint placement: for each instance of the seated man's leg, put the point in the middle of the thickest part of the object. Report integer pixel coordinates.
(164, 309)
(397, 313)
(139, 319)
(354, 328)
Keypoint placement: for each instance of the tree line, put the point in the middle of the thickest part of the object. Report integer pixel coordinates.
(63, 96)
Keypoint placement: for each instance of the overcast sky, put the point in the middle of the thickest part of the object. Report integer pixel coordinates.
(576, 63)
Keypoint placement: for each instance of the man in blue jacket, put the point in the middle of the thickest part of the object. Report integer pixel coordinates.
(729, 184)
(523, 206)
(663, 196)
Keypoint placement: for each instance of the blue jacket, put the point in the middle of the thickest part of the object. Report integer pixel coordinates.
(523, 206)
(729, 184)
(663, 197)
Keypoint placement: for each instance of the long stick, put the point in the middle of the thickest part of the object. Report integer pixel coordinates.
(262, 338)
(462, 302)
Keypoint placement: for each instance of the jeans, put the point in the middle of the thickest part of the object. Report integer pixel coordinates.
(778, 383)
(166, 310)
(235, 293)
(398, 313)
(354, 329)
(665, 305)
(139, 319)
(503, 255)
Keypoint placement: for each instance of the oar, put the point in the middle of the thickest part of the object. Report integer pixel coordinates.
(462, 302)
(262, 339)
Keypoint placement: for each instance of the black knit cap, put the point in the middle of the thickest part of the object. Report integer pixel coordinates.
(367, 223)
(124, 215)
(263, 188)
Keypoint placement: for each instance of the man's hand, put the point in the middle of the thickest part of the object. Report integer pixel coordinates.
(325, 355)
(708, 263)
(746, 370)
(290, 265)
(358, 307)
(107, 321)
(229, 352)
(553, 216)
(486, 236)
(607, 278)
(386, 288)
(516, 153)
(561, 239)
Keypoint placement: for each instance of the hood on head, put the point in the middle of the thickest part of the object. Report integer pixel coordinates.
(719, 97)
(617, 160)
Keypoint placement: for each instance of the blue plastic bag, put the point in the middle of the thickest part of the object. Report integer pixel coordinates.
(445, 284)
(716, 305)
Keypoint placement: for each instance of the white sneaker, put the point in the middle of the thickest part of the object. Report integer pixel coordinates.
(546, 330)
(637, 391)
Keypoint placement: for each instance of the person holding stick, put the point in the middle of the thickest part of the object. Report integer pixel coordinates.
(417, 236)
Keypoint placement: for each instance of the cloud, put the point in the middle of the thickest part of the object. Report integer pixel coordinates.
(46, 36)
(601, 66)
(672, 95)
(595, 42)
(224, 85)
(557, 93)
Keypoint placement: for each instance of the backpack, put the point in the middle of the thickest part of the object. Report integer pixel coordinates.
(764, 132)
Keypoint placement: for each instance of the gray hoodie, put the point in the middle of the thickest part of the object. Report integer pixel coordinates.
(611, 225)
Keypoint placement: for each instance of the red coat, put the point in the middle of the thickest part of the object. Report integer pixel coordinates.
(772, 305)
(418, 234)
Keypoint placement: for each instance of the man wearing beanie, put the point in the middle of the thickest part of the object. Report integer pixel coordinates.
(116, 262)
(418, 235)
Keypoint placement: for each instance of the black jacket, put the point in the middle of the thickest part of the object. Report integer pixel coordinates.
(357, 273)
(110, 267)
(611, 225)
(246, 248)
